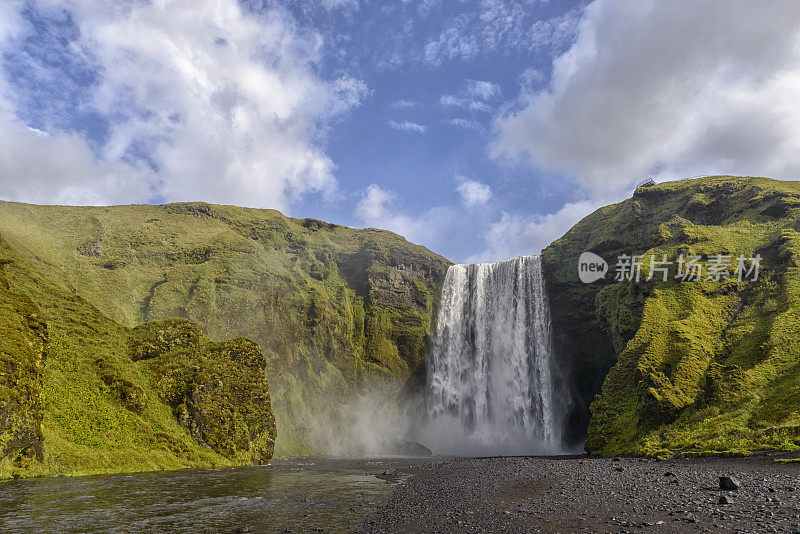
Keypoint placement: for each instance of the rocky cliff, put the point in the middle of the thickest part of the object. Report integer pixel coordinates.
(708, 366)
(335, 310)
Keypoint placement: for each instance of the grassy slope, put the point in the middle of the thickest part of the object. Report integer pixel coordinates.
(99, 411)
(23, 351)
(697, 367)
(330, 306)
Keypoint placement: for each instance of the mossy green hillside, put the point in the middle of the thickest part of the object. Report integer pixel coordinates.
(331, 307)
(697, 367)
(217, 390)
(80, 393)
(23, 341)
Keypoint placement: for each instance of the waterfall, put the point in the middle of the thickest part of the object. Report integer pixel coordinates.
(490, 371)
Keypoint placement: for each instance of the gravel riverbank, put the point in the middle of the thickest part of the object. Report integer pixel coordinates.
(580, 494)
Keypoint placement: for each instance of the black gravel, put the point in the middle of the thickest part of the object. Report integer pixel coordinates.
(581, 494)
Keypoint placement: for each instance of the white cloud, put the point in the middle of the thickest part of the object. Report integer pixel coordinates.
(498, 26)
(466, 124)
(403, 104)
(475, 95)
(473, 193)
(506, 235)
(336, 4)
(374, 206)
(667, 89)
(61, 169)
(9, 19)
(517, 235)
(529, 78)
(378, 208)
(408, 126)
(227, 105)
(10, 27)
(450, 101)
(55, 168)
(453, 43)
(482, 90)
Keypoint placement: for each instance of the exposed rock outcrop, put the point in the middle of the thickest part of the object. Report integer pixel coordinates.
(218, 391)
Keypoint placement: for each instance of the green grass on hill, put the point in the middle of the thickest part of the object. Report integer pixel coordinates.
(697, 367)
(99, 411)
(331, 307)
(679, 367)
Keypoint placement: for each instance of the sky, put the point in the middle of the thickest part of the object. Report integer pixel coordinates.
(482, 129)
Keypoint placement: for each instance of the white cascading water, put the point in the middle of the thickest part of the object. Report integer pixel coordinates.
(490, 370)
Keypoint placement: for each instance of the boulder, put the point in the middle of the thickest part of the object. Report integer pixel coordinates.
(410, 448)
(729, 483)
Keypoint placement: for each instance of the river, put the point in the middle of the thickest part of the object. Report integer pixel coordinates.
(330, 495)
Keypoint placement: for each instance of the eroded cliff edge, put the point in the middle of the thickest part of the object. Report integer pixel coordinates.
(684, 366)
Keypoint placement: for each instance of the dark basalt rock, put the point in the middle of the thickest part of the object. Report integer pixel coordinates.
(410, 448)
(729, 483)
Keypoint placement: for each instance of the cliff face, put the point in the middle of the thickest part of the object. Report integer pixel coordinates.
(679, 365)
(81, 394)
(332, 308)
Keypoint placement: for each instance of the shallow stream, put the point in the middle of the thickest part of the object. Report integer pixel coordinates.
(323, 495)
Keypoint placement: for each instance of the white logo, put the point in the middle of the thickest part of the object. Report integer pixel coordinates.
(591, 267)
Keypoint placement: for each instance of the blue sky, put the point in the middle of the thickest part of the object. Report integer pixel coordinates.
(481, 129)
(424, 128)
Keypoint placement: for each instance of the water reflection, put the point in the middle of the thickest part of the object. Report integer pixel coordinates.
(295, 496)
